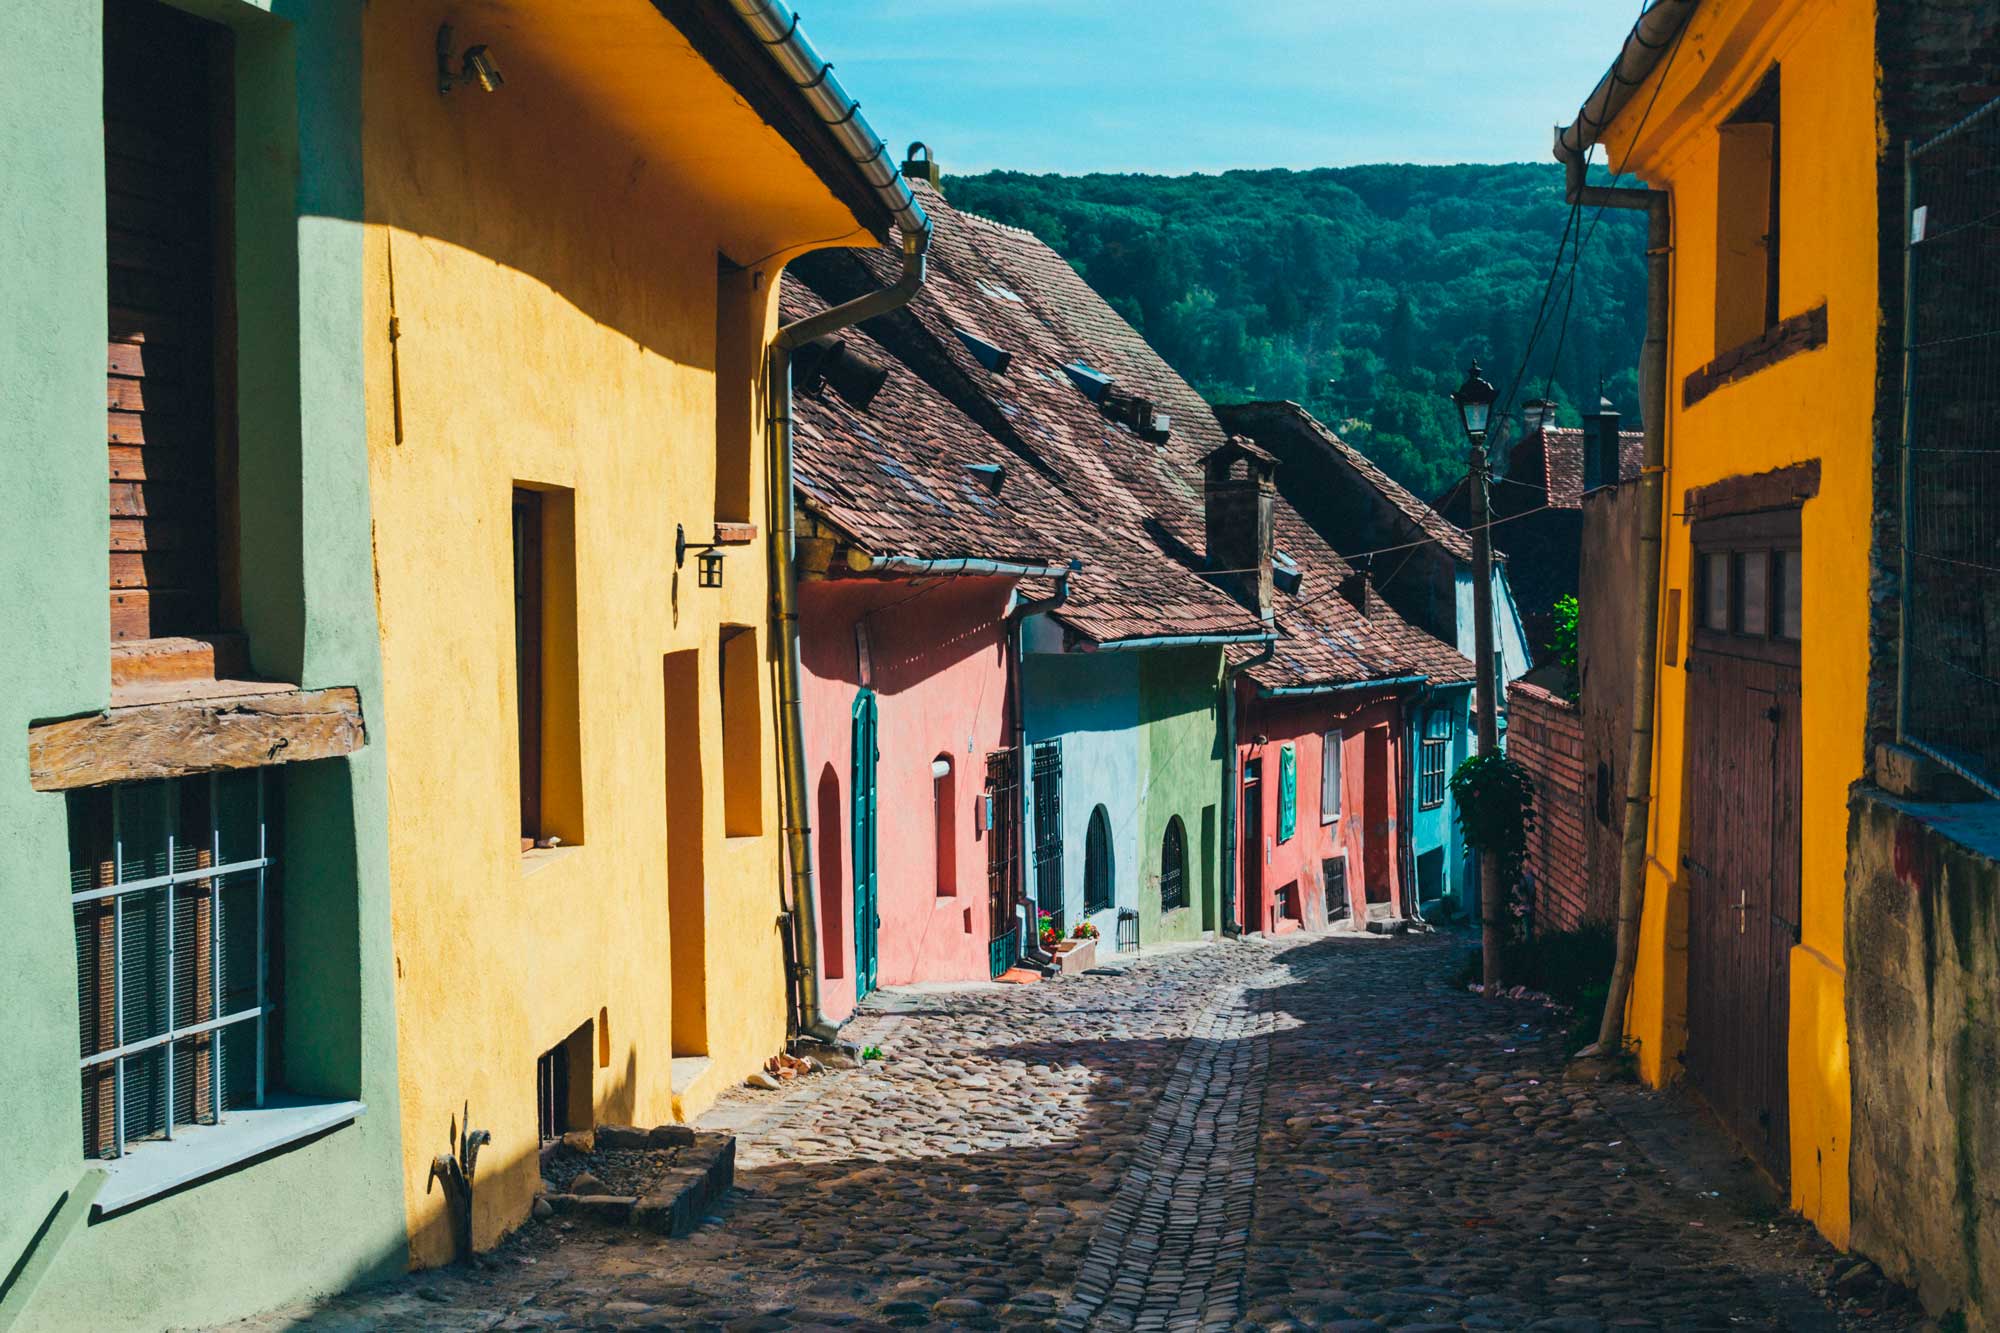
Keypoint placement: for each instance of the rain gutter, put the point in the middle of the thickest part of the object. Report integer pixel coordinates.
(1652, 36)
(918, 565)
(1180, 641)
(775, 25)
(1305, 691)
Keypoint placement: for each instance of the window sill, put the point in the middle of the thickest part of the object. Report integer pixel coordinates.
(1782, 341)
(541, 858)
(200, 1152)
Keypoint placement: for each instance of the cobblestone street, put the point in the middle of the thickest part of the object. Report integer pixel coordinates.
(1330, 1135)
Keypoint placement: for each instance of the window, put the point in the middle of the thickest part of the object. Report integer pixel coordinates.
(742, 733)
(563, 1097)
(1097, 890)
(1750, 582)
(1173, 866)
(944, 825)
(1789, 582)
(1047, 775)
(1333, 877)
(1434, 759)
(1753, 576)
(1329, 777)
(1288, 791)
(1715, 592)
(168, 176)
(173, 889)
(1746, 220)
(545, 667)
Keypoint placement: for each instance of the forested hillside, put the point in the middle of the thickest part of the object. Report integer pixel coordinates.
(1361, 292)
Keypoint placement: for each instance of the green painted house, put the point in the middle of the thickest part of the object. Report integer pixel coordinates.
(198, 1118)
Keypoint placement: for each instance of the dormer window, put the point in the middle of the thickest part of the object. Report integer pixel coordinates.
(988, 354)
(1094, 383)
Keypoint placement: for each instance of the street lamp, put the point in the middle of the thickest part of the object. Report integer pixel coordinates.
(1475, 400)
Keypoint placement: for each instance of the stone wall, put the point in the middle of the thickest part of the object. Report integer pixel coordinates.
(1923, 932)
(1545, 736)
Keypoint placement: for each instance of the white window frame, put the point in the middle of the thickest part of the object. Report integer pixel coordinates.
(1330, 744)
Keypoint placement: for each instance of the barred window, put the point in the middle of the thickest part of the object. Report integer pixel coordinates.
(1173, 867)
(172, 887)
(1433, 759)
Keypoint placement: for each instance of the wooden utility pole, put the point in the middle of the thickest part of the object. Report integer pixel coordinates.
(1485, 702)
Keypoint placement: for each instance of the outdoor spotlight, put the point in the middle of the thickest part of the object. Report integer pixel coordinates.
(1475, 404)
(475, 67)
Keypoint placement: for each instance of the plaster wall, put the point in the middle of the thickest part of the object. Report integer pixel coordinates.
(1180, 697)
(1924, 1004)
(1436, 829)
(937, 655)
(1294, 864)
(1510, 636)
(328, 1213)
(1089, 703)
(551, 260)
(1816, 405)
(1607, 629)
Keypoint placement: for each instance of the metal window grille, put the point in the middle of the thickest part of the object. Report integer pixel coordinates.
(1097, 892)
(1333, 876)
(1128, 930)
(1003, 857)
(1433, 758)
(171, 893)
(1949, 664)
(1048, 830)
(1173, 866)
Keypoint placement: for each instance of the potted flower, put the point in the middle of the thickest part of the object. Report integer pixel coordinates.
(1077, 952)
(1084, 931)
(1051, 933)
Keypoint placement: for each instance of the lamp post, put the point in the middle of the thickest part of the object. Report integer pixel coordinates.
(1474, 400)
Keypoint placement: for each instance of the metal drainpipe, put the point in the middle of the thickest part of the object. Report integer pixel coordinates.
(1232, 784)
(1016, 619)
(1645, 653)
(776, 27)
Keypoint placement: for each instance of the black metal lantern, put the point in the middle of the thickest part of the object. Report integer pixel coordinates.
(707, 561)
(1475, 400)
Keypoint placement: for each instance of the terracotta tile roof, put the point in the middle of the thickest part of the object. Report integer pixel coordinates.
(1253, 418)
(1131, 507)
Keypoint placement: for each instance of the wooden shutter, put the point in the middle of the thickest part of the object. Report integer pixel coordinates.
(1288, 791)
(162, 241)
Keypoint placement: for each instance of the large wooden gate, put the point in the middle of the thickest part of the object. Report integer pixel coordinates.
(1742, 860)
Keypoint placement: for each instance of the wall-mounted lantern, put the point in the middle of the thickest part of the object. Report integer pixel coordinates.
(708, 560)
(476, 67)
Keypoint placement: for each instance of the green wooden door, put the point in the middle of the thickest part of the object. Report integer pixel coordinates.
(866, 921)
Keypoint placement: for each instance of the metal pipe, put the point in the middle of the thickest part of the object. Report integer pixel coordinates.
(1652, 36)
(1181, 641)
(1304, 691)
(911, 564)
(1017, 618)
(1232, 781)
(1646, 652)
(776, 25)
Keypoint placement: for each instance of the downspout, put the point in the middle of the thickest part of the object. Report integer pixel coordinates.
(1232, 782)
(1645, 652)
(775, 25)
(1017, 618)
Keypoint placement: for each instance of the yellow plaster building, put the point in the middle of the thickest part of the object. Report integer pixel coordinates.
(572, 282)
(1759, 119)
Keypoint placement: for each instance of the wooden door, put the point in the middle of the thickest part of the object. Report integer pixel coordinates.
(1252, 841)
(1745, 774)
(1377, 823)
(867, 919)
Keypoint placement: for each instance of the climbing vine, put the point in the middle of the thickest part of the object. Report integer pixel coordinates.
(1495, 799)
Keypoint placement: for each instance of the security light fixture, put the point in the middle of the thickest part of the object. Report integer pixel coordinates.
(708, 559)
(1475, 404)
(476, 66)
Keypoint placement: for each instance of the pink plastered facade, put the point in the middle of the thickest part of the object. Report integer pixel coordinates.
(934, 654)
(1281, 883)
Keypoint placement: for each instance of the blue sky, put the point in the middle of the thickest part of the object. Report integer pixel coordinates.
(1205, 85)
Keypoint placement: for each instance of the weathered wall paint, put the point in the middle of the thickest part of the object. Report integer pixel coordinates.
(327, 1214)
(554, 251)
(1089, 704)
(1436, 828)
(1180, 698)
(1510, 637)
(1360, 717)
(1816, 405)
(938, 666)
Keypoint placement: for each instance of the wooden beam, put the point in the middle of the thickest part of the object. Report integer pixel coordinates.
(174, 740)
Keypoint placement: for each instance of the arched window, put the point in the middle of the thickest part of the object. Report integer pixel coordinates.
(944, 822)
(1173, 866)
(1097, 862)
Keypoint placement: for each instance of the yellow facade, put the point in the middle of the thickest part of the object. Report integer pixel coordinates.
(1815, 405)
(547, 256)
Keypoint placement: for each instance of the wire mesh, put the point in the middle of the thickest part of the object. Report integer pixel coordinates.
(1950, 689)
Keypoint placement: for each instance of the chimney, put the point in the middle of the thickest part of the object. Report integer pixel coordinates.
(1601, 447)
(919, 165)
(1360, 594)
(1537, 414)
(1237, 493)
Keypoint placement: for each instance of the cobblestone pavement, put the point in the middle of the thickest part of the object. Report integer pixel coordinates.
(1327, 1135)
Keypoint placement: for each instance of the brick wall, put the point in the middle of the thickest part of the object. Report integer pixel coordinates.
(1545, 736)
